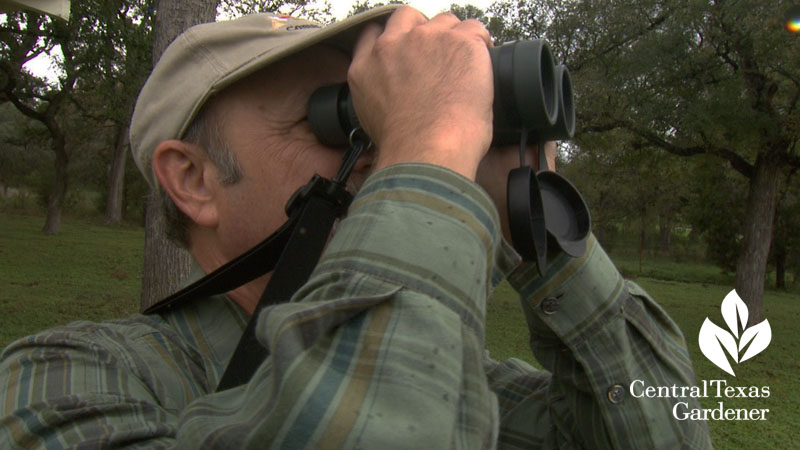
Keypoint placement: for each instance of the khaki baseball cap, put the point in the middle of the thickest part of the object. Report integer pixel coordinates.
(207, 58)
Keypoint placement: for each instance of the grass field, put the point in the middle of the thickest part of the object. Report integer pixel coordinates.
(90, 271)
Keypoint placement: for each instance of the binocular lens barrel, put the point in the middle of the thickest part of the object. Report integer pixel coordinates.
(564, 127)
(531, 93)
(524, 82)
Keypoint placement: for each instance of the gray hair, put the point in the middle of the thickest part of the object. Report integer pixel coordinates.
(206, 132)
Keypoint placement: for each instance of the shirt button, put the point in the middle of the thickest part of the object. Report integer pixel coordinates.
(549, 305)
(616, 393)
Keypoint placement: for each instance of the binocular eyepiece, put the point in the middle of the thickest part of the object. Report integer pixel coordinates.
(531, 94)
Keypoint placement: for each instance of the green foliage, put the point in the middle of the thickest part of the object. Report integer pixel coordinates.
(300, 8)
(468, 11)
(364, 5)
(135, 194)
(23, 148)
(115, 39)
(105, 57)
(716, 210)
(667, 269)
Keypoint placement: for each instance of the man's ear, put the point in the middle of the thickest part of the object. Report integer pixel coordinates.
(190, 179)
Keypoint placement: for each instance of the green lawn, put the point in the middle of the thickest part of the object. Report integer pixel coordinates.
(90, 271)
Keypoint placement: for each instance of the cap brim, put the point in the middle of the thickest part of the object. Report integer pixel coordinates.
(342, 34)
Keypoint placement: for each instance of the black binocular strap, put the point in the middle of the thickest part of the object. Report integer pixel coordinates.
(296, 262)
(245, 268)
(293, 251)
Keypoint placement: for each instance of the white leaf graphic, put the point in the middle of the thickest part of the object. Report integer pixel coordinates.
(761, 334)
(711, 336)
(731, 307)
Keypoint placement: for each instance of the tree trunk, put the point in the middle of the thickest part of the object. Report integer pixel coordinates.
(642, 235)
(116, 179)
(55, 200)
(165, 264)
(175, 16)
(759, 218)
(780, 265)
(665, 232)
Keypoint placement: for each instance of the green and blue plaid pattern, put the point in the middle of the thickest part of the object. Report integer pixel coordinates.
(383, 348)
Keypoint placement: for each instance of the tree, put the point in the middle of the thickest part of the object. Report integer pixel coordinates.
(786, 239)
(716, 209)
(123, 74)
(630, 187)
(692, 77)
(98, 47)
(359, 6)
(300, 8)
(166, 264)
(26, 35)
(25, 154)
(122, 55)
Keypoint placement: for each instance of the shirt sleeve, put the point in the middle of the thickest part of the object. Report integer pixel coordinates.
(596, 334)
(382, 348)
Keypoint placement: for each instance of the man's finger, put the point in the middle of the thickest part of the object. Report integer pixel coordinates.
(366, 40)
(403, 20)
(445, 20)
(475, 27)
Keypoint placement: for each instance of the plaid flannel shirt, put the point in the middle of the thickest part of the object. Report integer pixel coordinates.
(382, 348)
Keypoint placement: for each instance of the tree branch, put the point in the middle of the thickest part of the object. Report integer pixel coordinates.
(738, 163)
(26, 32)
(86, 113)
(8, 90)
(653, 24)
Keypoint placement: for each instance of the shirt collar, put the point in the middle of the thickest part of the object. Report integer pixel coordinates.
(211, 325)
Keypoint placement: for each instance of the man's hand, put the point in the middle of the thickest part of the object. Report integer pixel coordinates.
(423, 90)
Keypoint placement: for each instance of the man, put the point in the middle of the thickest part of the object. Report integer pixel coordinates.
(383, 347)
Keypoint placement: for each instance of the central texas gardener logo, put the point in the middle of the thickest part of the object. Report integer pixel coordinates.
(714, 339)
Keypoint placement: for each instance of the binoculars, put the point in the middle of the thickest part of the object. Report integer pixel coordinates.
(533, 102)
(531, 94)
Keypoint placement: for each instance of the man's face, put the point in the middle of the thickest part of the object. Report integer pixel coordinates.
(264, 121)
